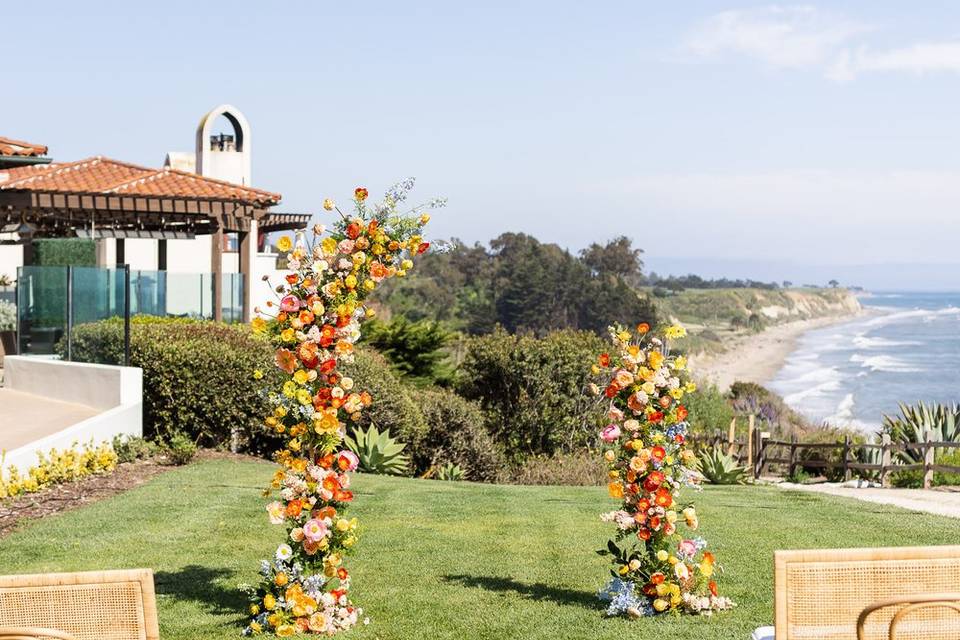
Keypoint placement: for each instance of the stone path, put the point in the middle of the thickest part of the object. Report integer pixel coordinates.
(944, 503)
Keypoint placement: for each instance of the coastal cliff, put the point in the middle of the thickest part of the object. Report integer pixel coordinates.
(721, 308)
(747, 334)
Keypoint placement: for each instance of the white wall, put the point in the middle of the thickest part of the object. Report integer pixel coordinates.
(117, 391)
(11, 257)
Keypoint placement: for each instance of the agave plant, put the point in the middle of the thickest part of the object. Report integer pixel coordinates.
(451, 472)
(914, 421)
(378, 452)
(717, 467)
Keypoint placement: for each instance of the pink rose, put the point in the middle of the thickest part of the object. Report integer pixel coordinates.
(290, 303)
(610, 433)
(315, 530)
(687, 548)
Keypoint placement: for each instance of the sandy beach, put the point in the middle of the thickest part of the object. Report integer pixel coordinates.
(758, 357)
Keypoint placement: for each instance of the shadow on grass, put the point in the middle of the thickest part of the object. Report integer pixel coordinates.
(195, 583)
(532, 591)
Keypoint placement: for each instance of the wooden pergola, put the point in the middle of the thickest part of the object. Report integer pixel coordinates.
(103, 198)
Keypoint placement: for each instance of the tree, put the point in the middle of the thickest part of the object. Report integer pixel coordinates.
(834, 283)
(787, 284)
(617, 258)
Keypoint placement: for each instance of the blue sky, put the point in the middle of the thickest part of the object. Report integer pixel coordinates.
(752, 140)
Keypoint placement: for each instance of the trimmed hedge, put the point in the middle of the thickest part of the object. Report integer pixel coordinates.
(197, 376)
(531, 389)
(393, 407)
(456, 435)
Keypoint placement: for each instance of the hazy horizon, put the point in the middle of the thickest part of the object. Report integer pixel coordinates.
(786, 141)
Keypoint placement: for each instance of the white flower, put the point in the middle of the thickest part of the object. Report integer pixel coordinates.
(284, 552)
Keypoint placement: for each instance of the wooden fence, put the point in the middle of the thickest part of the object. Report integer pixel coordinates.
(759, 452)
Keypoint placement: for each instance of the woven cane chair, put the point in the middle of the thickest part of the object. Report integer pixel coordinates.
(898, 593)
(96, 605)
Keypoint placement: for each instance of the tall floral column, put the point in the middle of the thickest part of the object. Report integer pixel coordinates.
(313, 325)
(659, 563)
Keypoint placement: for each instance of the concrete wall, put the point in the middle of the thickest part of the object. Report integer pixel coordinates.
(117, 391)
(11, 257)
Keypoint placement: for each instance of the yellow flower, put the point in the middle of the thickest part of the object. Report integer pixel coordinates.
(615, 489)
(286, 630)
(288, 335)
(609, 455)
(254, 609)
(343, 525)
(284, 244)
(350, 281)
(658, 604)
(674, 332)
(662, 555)
(680, 363)
(257, 374)
(676, 394)
(300, 376)
(425, 218)
(329, 246)
(624, 336)
(269, 602)
(304, 397)
(406, 264)
(690, 387)
(655, 358)
(258, 324)
(328, 204)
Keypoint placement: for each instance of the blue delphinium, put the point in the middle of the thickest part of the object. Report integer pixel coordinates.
(622, 596)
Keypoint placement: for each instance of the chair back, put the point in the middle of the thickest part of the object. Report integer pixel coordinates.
(95, 605)
(819, 593)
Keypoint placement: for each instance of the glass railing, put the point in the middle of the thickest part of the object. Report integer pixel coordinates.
(52, 301)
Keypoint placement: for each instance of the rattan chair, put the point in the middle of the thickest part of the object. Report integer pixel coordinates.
(868, 594)
(912, 611)
(96, 605)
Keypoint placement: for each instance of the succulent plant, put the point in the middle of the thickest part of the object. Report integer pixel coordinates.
(913, 421)
(378, 452)
(720, 468)
(451, 472)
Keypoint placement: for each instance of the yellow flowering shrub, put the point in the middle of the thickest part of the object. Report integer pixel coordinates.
(58, 466)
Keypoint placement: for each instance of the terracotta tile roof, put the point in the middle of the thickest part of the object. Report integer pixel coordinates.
(102, 175)
(11, 147)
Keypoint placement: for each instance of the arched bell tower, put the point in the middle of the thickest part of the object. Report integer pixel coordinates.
(220, 155)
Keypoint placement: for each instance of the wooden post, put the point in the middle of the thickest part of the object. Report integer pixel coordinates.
(750, 441)
(216, 271)
(847, 472)
(761, 447)
(248, 261)
(732, 437)
(885, 459)
(928, 459)
(791, 470)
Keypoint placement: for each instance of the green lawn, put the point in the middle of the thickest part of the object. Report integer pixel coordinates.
(443, 560)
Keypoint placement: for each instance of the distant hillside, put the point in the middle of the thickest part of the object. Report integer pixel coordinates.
(726, 306)
(712, 315)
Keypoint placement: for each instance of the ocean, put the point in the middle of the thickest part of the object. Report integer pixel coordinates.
(907, 349)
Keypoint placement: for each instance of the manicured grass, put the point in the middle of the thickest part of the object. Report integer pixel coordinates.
(444, 560)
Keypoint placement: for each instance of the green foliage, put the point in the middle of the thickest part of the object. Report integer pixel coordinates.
(913, 479)
(131, 448)
(65, 252)
(531, 389)
(719, 468)
(456, 434)
(771, 412)
(197, 376)
(378, 452)
(709, 410)
(912, 423)
(451, 472)
(520, 284)
(414, 349)
(393, 408)
(8, 316)
(179, 449)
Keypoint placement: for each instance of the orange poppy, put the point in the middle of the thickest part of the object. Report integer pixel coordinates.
(286, 361)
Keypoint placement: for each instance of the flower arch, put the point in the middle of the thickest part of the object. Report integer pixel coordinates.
(657, 565)
(313, 326)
